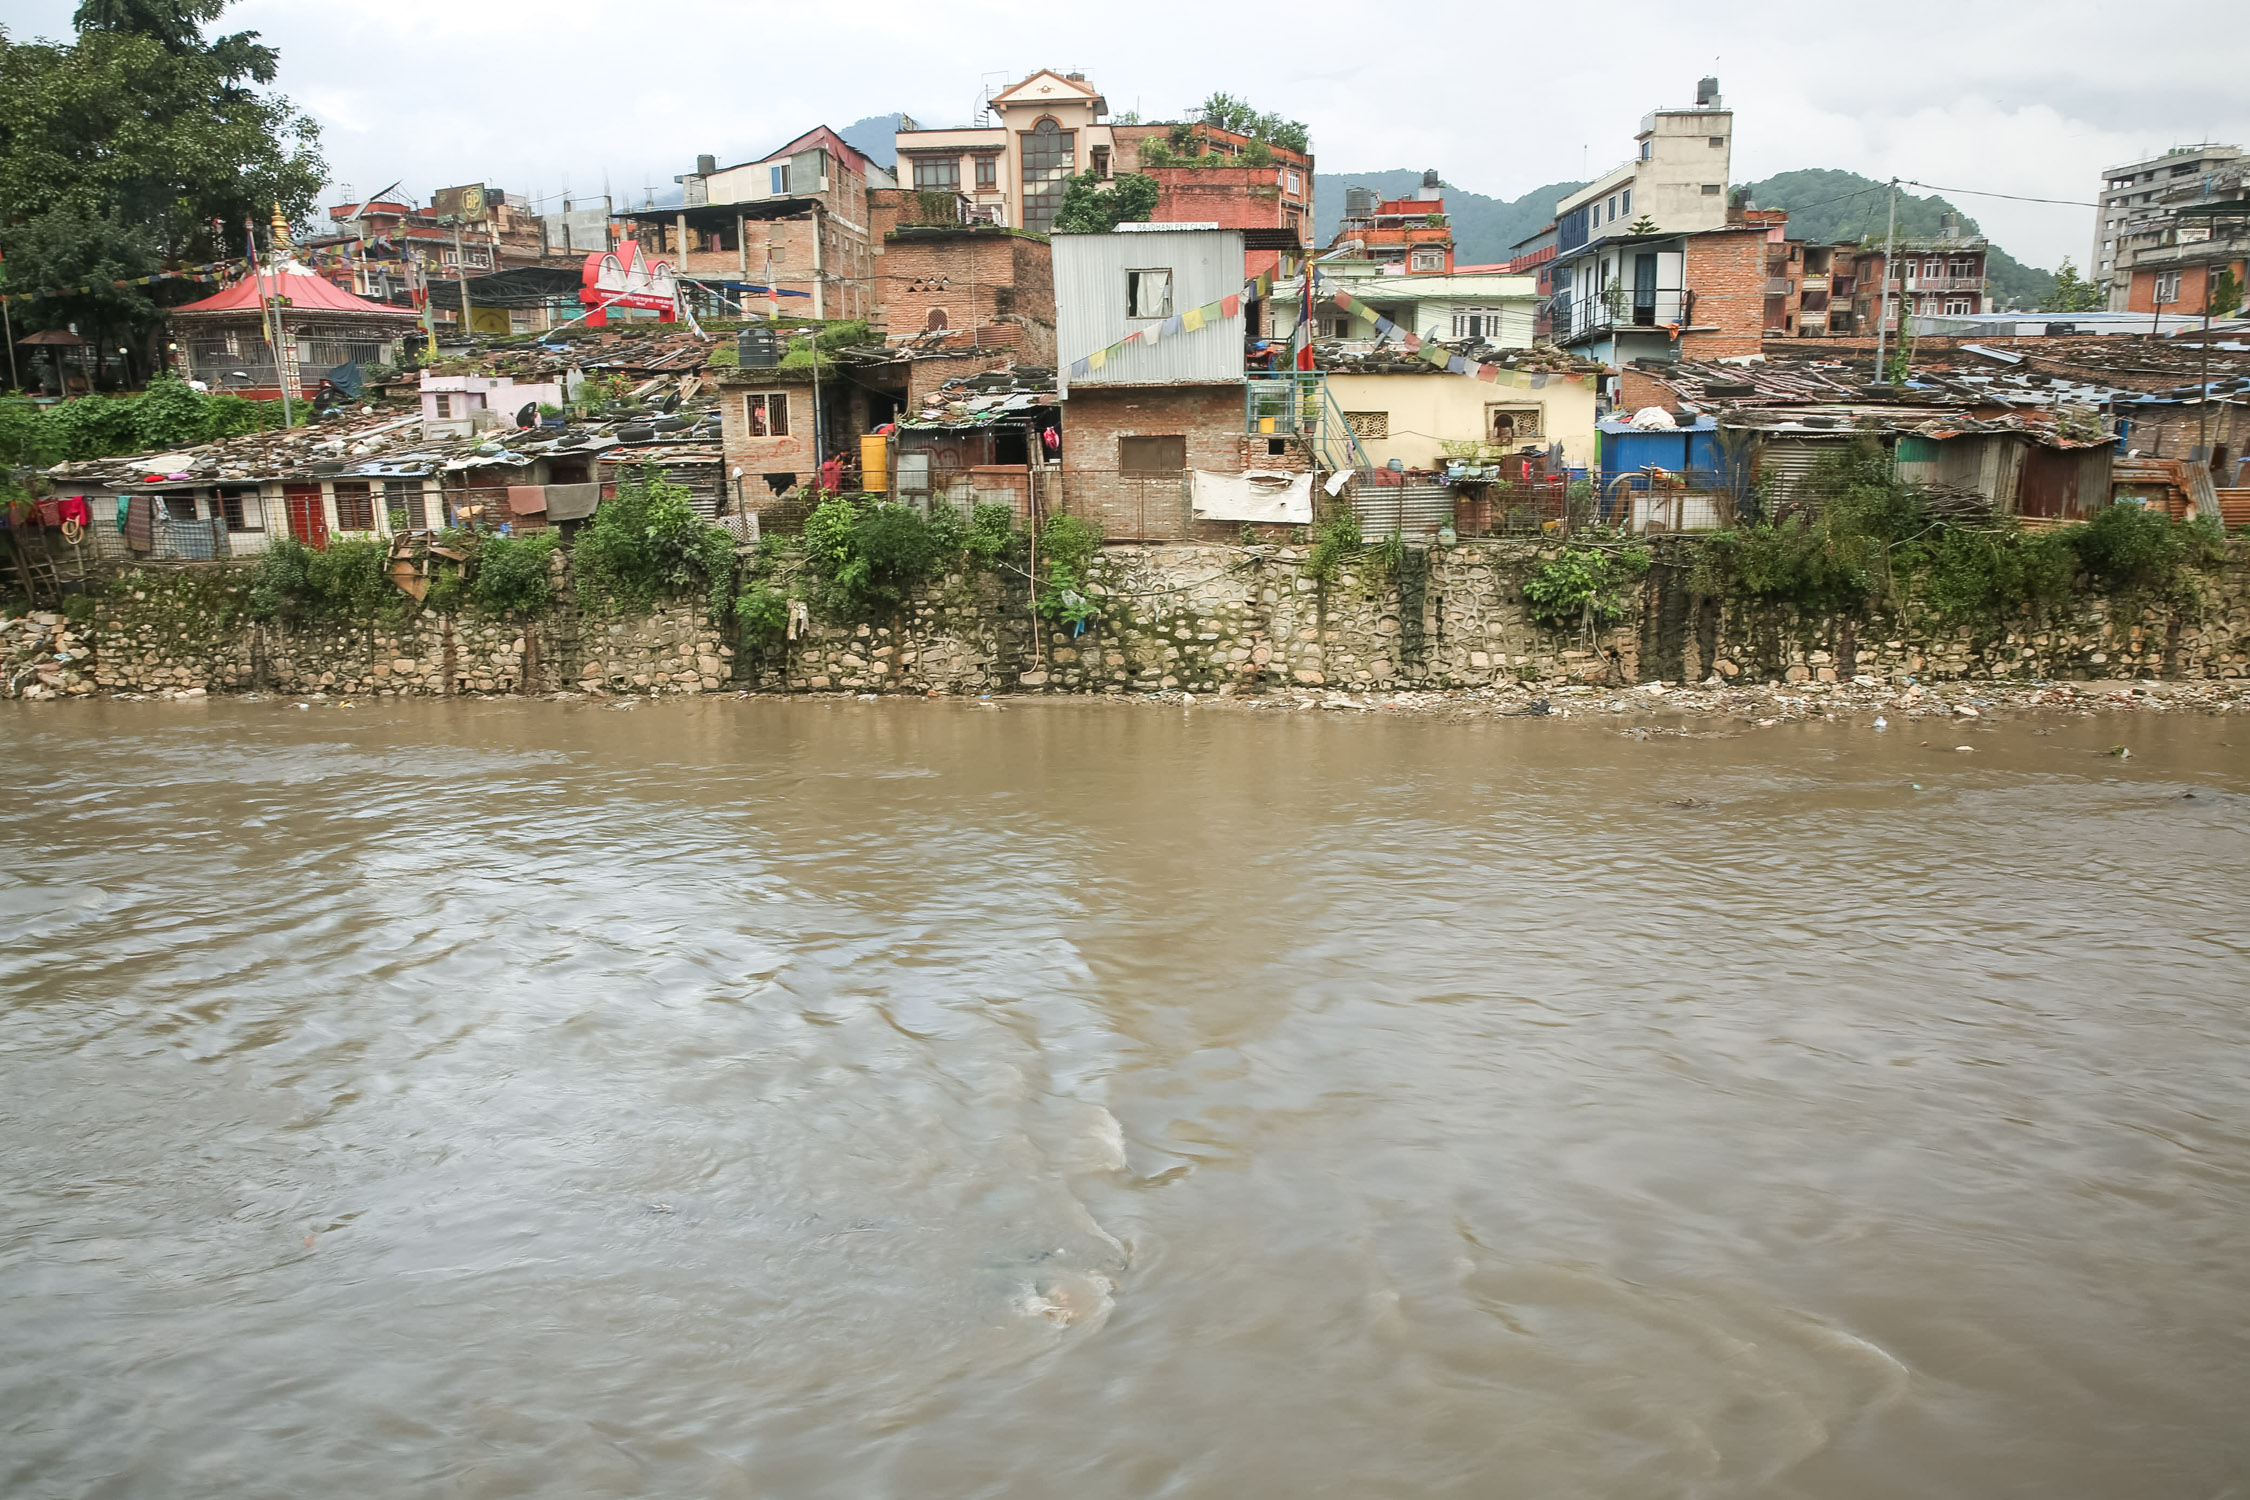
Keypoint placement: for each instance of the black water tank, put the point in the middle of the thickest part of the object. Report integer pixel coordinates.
(757, 349)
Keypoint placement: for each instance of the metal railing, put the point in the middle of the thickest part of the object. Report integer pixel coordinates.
(1575, 315)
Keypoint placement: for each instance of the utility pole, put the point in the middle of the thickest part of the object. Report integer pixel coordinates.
(461, 274)
(2203, 387)
(1890, 267)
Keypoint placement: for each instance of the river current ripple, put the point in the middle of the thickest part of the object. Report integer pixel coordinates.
(912, 1099)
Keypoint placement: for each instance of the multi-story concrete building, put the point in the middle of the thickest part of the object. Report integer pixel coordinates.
(1013, 165)
(1650, 261)
(2137, 199)
(1403, 236)
(1936, 277)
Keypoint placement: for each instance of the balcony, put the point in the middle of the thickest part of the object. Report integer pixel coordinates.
(1574, 316)
(1938, 284)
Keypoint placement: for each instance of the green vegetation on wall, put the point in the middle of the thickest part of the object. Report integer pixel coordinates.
(1872, 537)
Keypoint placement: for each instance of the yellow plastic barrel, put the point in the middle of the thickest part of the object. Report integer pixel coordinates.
(875, 462)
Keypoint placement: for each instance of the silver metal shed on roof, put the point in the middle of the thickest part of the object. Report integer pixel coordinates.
(1110, 285)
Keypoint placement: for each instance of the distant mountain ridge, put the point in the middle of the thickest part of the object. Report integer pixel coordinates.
(1823, 204)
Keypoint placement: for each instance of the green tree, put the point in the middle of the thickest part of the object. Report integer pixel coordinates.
(2225, 295)
(146, 142)
(2072, 294)
(1092, 205)
(1243, 118)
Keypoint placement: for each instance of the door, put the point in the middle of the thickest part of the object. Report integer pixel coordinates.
(308, 516)
(1644, 291)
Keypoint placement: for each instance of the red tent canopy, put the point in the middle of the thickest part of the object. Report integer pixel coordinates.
(306, 291)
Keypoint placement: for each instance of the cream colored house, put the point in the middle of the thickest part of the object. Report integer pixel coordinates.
(1048, 127)
(1412, 417)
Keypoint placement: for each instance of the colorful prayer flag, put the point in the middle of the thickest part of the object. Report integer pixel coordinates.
(1192, 319)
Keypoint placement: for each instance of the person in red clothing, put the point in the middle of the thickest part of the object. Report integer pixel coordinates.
(832, 475)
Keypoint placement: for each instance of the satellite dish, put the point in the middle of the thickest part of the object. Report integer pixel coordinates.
(529, 416)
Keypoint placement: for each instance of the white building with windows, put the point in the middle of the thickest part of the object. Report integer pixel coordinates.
(1482, 306)
(1013, 165)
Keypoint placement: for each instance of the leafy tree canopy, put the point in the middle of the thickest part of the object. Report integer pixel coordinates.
(1094, 205)
(140, 143)
(2071, 294)
(1244, 118)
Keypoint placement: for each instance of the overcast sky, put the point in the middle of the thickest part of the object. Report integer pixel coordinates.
(536, 95)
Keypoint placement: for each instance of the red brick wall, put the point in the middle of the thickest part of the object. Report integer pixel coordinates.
(1150, 507)
(980, 278)
(1637, 388)
(2195, 285)
(759, 456)
(1726, 269)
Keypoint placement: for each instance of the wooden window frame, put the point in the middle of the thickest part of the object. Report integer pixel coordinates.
(1136, 450)
(765, 414)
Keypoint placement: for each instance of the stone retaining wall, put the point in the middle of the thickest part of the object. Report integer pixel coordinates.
(1196, 618)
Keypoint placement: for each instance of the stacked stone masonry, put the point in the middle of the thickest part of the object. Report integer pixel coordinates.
(1197, 618)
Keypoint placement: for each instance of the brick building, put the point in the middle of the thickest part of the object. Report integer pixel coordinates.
(787, 232)
(974, 285)
(1811, 290)
(1127, 452)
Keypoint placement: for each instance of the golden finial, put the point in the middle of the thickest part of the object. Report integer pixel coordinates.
(283, 248)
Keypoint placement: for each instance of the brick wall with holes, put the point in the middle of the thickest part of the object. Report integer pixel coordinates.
(1726, 269)
(984, 287)
(1126, 451)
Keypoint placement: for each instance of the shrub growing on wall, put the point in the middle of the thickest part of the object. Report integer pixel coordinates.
(648, 543)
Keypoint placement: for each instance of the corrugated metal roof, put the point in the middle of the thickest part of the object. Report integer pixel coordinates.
(1090, 282)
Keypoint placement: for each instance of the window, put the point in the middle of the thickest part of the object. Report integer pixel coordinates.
(1957, 307)
(766, 414)
(1368, 424)
(1612, 208)
(1296, 181)
(1049, 154)
(1718, 143)
(1151, 455)
(777, 179)
(242, 510)
(1429, 260)
(179, 507)
(402, 500)
(355, 506)
(937, 173)
(1148, 294)
(1625, 203)
(1506, 426)
(1648, 149)
(988, 172)
(444, 405)
(1476, 322)
(2167, 287)
(936, 319)
(1101, 164)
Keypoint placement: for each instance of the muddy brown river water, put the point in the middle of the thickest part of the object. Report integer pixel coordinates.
(910, 1099)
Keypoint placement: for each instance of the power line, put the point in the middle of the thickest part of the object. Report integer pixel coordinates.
(1980, 193)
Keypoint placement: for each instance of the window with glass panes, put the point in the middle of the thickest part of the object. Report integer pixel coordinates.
(1049, 153)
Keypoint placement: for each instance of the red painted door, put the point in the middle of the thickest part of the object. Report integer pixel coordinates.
(308, 516)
